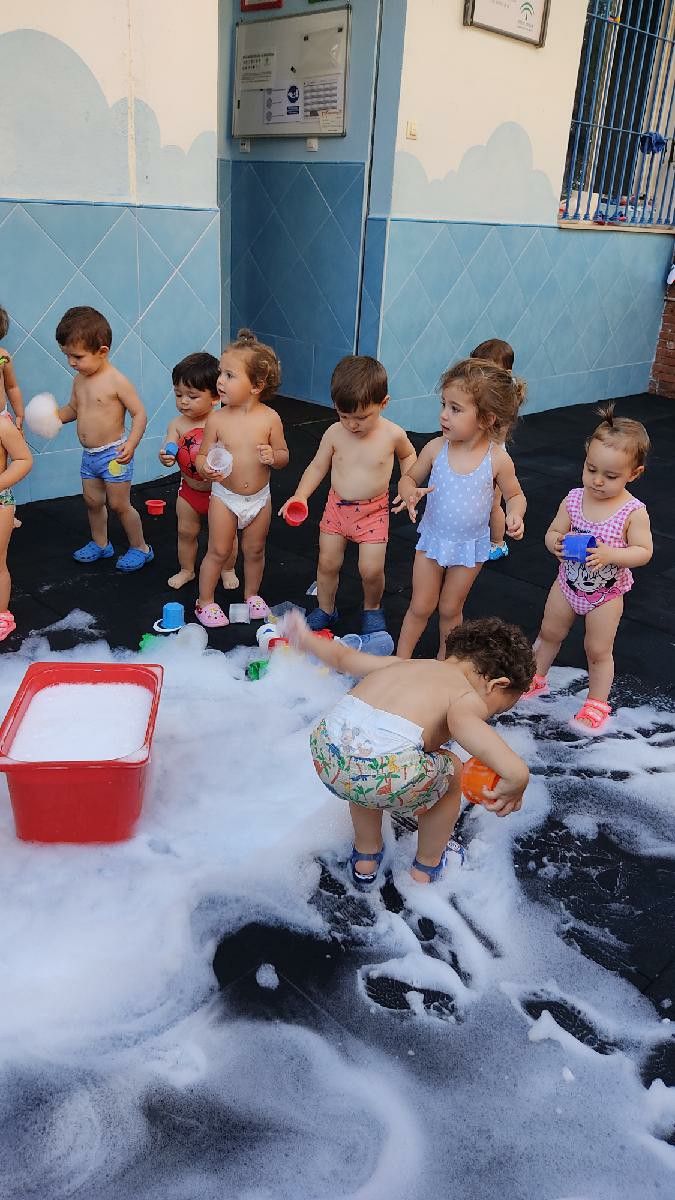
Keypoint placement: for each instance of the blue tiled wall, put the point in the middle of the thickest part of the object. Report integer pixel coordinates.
(153, 272)
(581, 308)
(296, 246)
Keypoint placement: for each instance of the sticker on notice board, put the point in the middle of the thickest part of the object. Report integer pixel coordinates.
(282, 104)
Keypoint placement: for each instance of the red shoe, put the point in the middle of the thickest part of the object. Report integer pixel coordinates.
(593, 715)
(7, 624)
(538, 687)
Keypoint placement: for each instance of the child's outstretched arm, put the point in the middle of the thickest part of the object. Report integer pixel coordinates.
(21, 458)
(405, 453)
(133, 404)
(516, 504)
(467, 725)
(315, 472)
(168, 460)
(332, 652)
(409, 491)
(13, 391)
(639, 548)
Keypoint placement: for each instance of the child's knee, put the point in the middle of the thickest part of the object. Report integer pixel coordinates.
(371, 573)
(597, 652)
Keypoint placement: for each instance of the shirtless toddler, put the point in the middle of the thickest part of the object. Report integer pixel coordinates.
(359, 452)
(100, 400)
(381, 746)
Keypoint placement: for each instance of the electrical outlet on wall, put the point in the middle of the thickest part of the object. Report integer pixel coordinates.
(411, 131)
(245, 145)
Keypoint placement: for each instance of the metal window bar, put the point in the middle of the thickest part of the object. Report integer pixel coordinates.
(620, 167)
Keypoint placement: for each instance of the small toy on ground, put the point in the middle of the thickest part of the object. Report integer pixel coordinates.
(477, 779)
(172, 618)
(155, 507)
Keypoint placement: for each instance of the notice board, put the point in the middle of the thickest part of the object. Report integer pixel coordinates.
(290, 77)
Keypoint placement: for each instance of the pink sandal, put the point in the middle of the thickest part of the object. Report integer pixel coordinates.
(211, 616)
(593, 715)
(7, 624)
(538, 687)
(257, 609)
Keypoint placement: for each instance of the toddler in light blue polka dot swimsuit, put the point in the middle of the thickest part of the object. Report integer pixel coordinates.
(479, 405)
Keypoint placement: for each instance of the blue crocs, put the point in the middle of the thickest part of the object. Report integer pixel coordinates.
(434, 873)
(134, 559)
(92, 552)
(361, 881)
(498, 551)
(318, 619)
(373, 621)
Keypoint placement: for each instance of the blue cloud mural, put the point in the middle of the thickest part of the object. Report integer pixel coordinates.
(62, 140)
(495, 182)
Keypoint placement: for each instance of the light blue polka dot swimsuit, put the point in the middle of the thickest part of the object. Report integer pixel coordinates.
(455, 528)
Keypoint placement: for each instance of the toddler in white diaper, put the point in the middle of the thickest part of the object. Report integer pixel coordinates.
(254, 436)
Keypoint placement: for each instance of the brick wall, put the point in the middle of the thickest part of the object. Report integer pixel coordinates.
(663, 368)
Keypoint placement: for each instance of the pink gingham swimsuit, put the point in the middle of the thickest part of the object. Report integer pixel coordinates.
(583, 588)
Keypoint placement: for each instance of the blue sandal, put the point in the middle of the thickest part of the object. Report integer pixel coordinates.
(92, 552)
(364, 882)
(435, 873)
(319, 619)
(134, 559)
(373, 621)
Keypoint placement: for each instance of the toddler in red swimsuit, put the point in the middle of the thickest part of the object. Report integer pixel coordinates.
(194, 385)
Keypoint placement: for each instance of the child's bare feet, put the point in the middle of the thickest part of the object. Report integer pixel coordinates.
(230, 580)
(180, 579)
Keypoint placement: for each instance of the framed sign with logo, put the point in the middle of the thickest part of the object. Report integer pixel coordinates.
(525, 20)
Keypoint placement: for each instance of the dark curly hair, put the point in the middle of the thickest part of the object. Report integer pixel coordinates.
(494, 648)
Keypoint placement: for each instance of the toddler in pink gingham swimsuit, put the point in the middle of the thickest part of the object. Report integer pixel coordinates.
(594, 589)
(582, 586)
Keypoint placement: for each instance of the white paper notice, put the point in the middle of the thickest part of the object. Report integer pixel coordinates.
(322, 94)
(330, 120)
(257, 67)
(282, 104)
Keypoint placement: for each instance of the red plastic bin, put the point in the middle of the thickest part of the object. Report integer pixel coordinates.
(78, 801)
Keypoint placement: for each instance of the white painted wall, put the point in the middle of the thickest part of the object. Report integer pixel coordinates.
(492, 115)
(109, 100)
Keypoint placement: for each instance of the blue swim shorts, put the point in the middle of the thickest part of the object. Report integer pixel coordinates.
(95, 464)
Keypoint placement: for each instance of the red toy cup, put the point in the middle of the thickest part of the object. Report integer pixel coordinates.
(477, 779)
(276, 642)
(323, 633)
(155, 507)
(296, 512)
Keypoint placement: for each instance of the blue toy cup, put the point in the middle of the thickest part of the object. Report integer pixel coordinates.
(576, 545)
(173, 615)
(171, 448)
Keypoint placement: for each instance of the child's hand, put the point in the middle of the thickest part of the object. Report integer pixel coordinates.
(411, 503)
(515, 526)
(291, 500)
(504, 799)
(266, 455)
(556, 546)
(294, 627)
(600, 556)
(167, 460)
(125, 453)
(212, 476)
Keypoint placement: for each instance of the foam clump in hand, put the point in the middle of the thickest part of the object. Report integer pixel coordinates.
(42, 415)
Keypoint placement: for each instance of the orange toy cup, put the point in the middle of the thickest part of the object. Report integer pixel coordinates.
(477, 779)
(296, 512)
